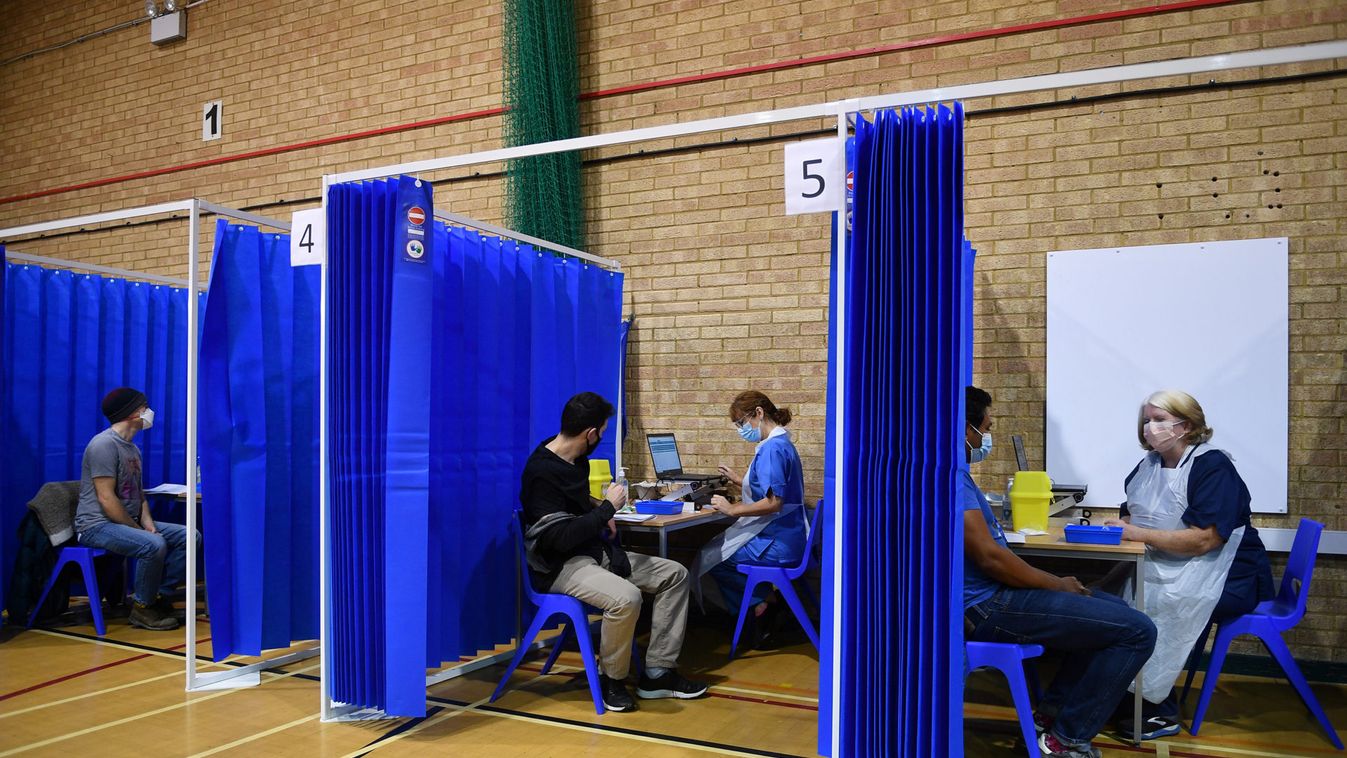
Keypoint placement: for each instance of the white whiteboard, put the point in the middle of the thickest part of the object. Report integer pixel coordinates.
(1207, 318)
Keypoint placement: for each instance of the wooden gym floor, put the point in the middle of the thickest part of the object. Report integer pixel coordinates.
(68, 692)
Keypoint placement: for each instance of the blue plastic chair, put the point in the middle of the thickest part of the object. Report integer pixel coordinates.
(782, 578)
(1009, 659)
(1267, 622)
(550, 604)
(84, 557)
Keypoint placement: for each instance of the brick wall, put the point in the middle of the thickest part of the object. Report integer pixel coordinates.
(728, 292)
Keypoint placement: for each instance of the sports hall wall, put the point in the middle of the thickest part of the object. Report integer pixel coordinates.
(727, 291)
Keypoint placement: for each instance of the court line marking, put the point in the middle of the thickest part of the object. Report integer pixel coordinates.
(445, 715)
(258, 736)
(63, 701)
(144, 714)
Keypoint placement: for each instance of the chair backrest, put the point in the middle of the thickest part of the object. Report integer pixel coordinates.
(814, 524)
(1295, 587)
(517, 526)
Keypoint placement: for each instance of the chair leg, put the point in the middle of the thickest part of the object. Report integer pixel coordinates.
(637, 660)
(529, 636)
(591, 668)
(787, 591)
(1277, 647)
(1194, 659)
(744, 607)
(61, 562)
(1019, 692)
(1218, 651)
(557, 644)
(86, 563)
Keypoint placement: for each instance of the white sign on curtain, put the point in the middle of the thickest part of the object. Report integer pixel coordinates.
(308, 237)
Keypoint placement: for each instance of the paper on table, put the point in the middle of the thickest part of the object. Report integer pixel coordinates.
(1030, 532)
(167, 489)
(634, 517)
(1014, 537)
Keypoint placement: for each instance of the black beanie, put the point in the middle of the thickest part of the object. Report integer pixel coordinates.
(121, 403)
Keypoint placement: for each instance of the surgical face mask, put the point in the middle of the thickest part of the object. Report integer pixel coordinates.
(979, 454)
(146, 418)
(1160, 435)
(589, 450)
(749, 432)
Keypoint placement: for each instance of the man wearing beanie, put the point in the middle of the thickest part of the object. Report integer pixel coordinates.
(114, 515)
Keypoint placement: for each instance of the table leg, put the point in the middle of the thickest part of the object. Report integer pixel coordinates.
(1138, 598)
(663, 543)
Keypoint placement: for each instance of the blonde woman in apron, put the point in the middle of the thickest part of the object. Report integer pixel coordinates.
(1204, 559)
(769, 529)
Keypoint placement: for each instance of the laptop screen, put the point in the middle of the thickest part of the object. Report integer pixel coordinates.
(664, 454)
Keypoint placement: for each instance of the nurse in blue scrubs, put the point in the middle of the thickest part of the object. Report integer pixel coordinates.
(769, 527)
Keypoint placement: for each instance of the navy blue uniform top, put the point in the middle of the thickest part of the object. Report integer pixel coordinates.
(1218, 497)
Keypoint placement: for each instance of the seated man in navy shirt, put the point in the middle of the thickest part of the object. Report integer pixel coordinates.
(1007, 600)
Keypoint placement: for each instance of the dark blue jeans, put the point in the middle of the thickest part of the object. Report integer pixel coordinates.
(1105, 641)
(160, 564)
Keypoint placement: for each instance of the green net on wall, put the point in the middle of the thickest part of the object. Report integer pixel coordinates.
(542, 94)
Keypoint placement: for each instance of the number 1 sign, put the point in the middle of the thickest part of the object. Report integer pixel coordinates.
(814, 176)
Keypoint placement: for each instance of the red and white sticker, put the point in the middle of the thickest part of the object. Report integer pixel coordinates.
(416, 216)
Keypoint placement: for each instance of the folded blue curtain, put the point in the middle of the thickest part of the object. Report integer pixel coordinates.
(510, 333)
(906, 365)
(69, 338)
(258, 441)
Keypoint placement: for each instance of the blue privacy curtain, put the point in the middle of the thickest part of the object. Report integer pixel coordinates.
(906, 366)
(509, 334)
(258, 437)
(69, 338)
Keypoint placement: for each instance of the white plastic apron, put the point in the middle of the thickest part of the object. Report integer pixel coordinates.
(1180, 592)
(744, 528)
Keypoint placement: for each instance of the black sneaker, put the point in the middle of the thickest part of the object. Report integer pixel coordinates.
(668, 684)
(1051, 747)
(1152, 728)
(149, 617)
(615, 695)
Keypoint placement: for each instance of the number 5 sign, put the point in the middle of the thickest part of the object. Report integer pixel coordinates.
(814, 176)
(308, 237)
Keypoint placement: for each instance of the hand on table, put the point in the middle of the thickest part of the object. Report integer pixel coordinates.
(1130, 532)
(719, 503)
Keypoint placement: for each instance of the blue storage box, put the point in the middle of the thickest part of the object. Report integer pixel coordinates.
(659, 507)
(1094, 535)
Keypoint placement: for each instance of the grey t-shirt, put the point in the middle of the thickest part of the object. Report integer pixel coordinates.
(107, 454)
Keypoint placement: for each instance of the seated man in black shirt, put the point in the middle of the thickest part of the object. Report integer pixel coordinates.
(572, 546)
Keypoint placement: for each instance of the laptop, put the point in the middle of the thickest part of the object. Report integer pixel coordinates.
(668, 463)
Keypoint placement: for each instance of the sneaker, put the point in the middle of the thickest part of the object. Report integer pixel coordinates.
(615, 695)
(150, 617)
(668, 684)
(1051, 747)
(1042, 723)
(1152, 728)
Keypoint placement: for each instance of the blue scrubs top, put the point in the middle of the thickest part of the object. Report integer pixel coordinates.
(777, 469)
(1218, 497)
(977, 586)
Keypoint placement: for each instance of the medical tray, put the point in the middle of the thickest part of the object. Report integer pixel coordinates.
(1094, 535)
(659, 507)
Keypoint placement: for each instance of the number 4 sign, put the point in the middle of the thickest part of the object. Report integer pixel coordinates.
(814, 176)
(308, 237)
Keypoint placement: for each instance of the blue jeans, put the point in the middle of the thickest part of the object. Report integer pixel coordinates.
(732, 583)
(160, 555)
(1105, 641)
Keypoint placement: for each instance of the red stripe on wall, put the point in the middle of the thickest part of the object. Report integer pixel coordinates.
(1002, 31)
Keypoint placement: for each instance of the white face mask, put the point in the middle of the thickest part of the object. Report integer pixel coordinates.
(1160, 435)
(146, 418)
